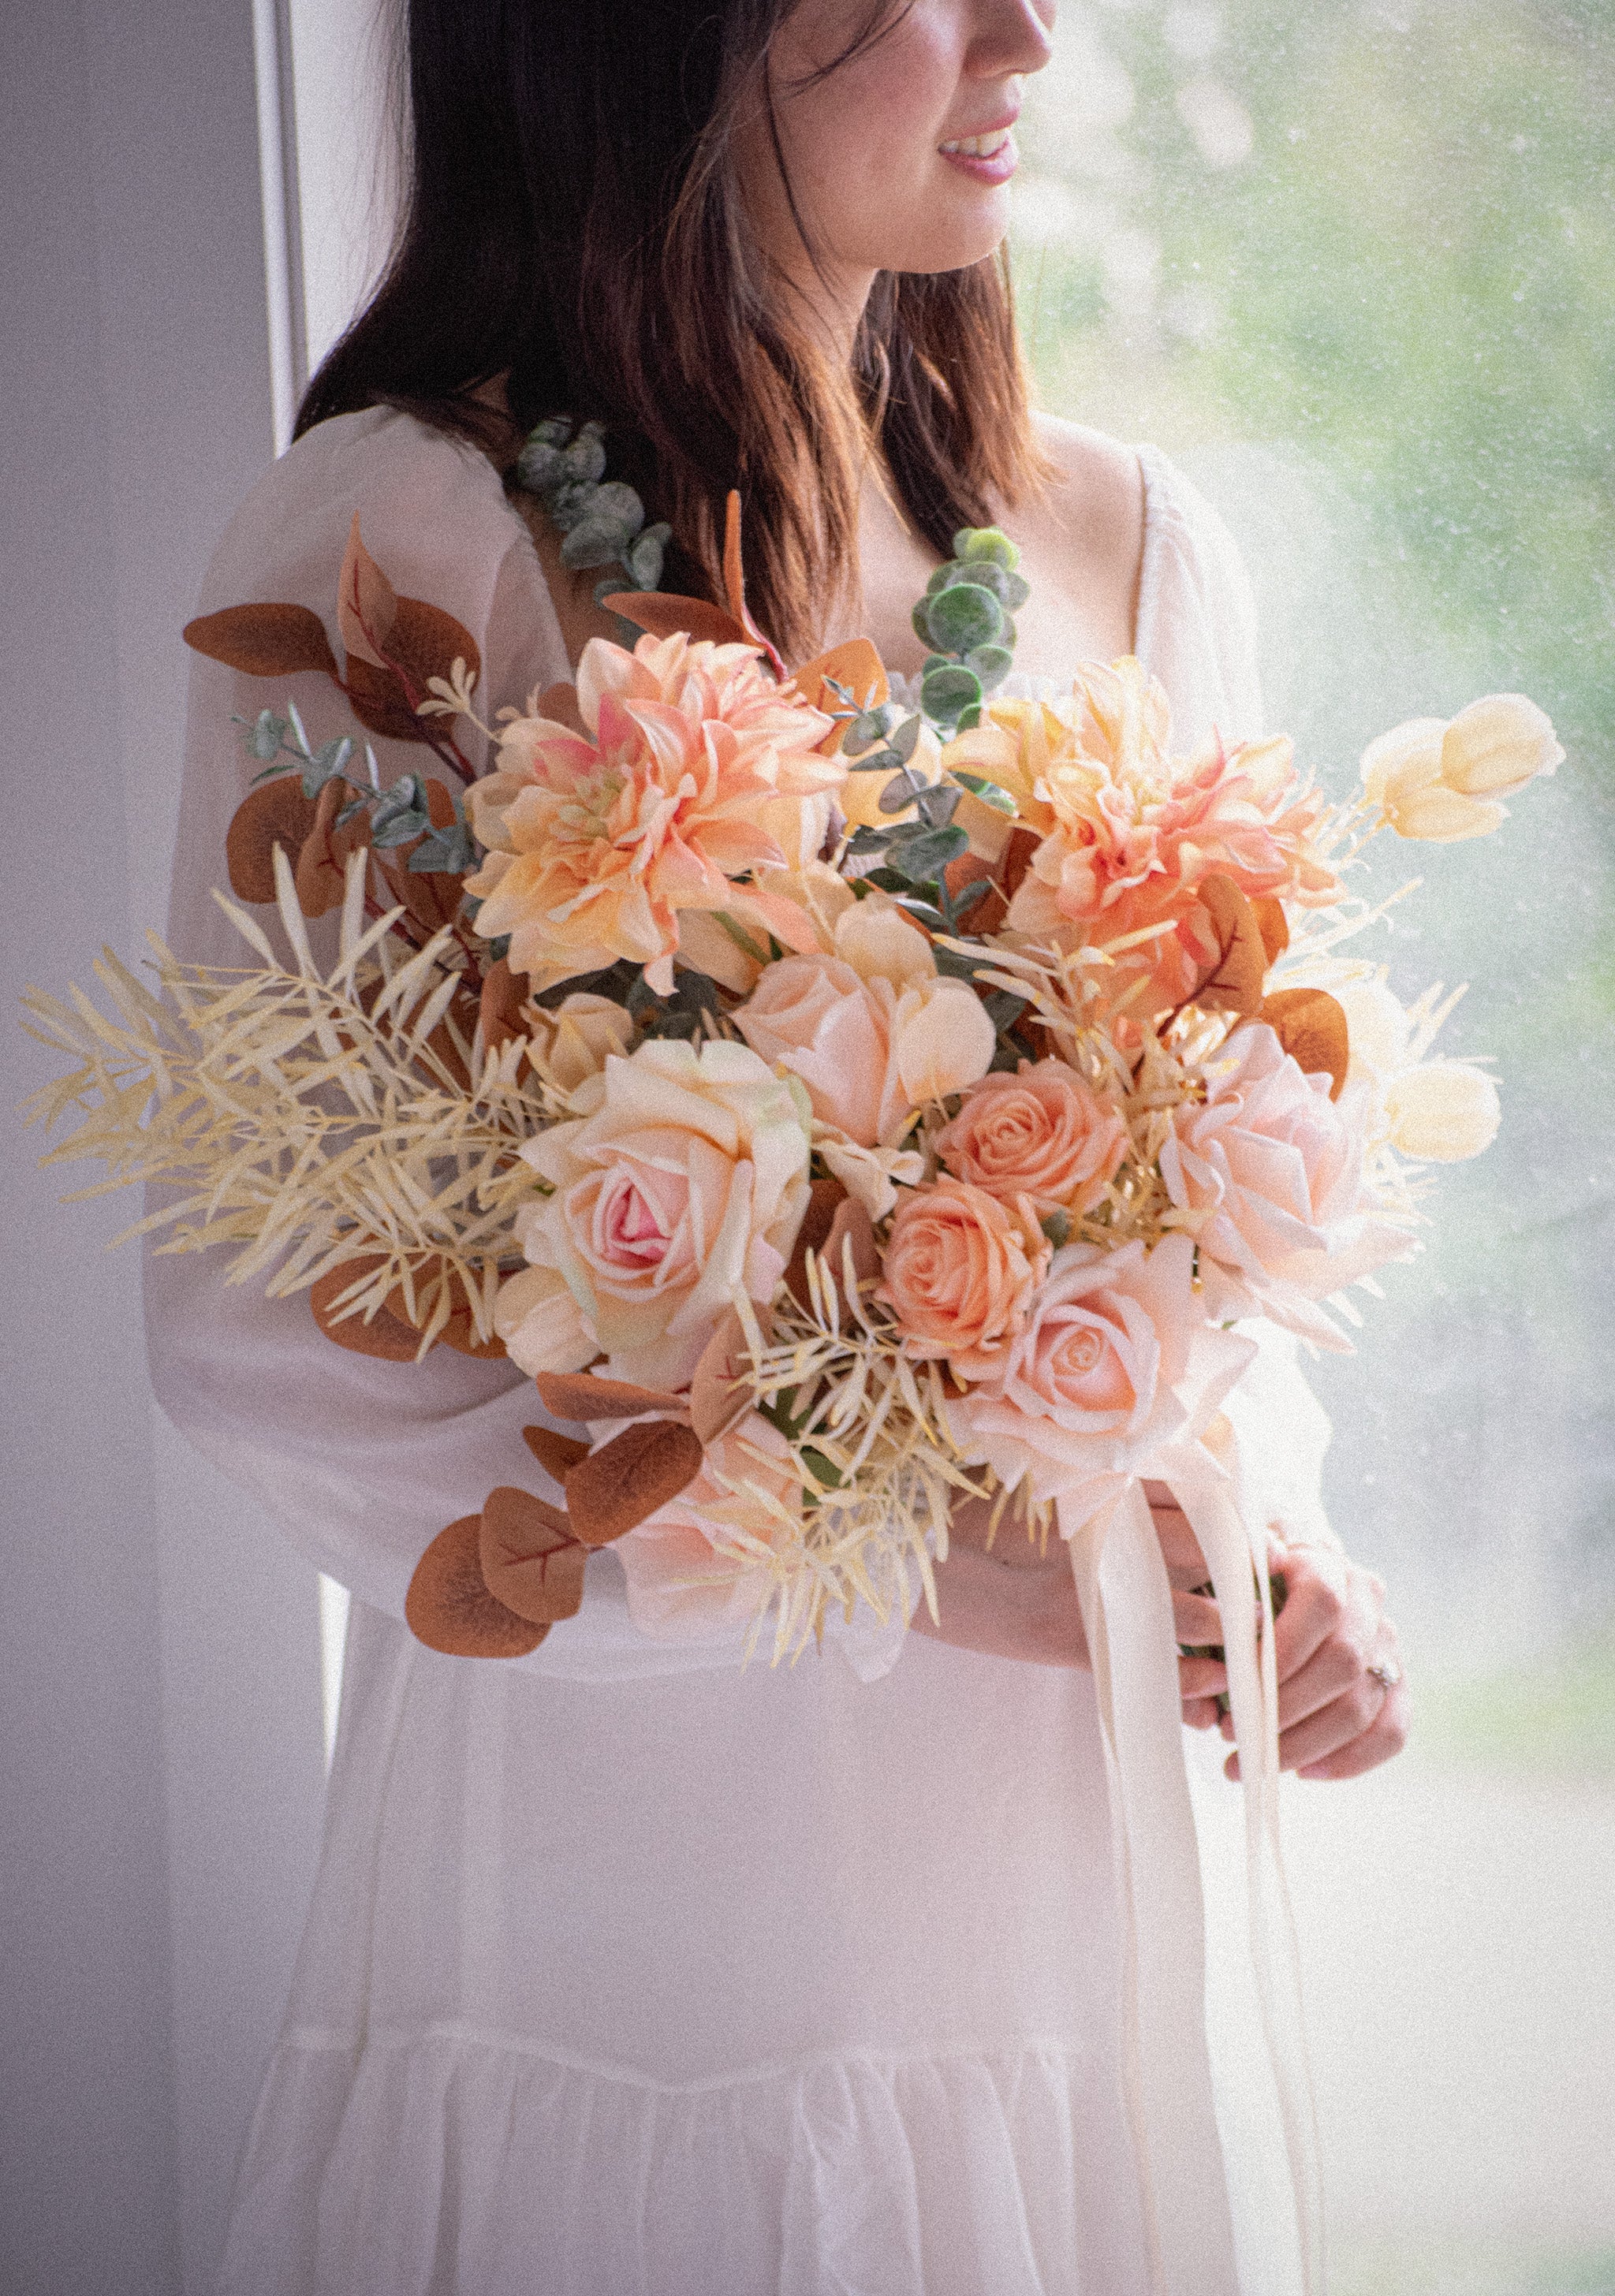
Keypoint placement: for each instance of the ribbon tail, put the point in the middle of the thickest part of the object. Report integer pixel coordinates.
(1127, 1612)
(1231, 1547)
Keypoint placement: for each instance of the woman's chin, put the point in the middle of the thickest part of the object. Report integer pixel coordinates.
(971, 225)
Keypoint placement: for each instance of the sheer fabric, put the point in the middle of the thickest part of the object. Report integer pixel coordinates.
(629, 1972)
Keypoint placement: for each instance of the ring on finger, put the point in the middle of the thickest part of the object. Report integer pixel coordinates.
(1386, 1672)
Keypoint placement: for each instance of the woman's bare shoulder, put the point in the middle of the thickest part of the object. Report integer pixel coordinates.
(1084, 535)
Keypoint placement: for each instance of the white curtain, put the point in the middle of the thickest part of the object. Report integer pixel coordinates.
(159, 1649)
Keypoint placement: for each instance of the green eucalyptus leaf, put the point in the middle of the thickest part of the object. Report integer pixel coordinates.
(1014, 591)
(991, 664)
(586, 457)
(446, 852)
(1057, 1226)
(970, 719)
(595, 542)
(870, 840)
(937, 803)
(398, 830)
(647, 556)
(921, 618)
(539, 465)
(899, 793)
(266, 735)
(987, 792)
(905, 741)
(568, 504)
(947, 693)
(964, 617)
(988, 542)
(922, 858)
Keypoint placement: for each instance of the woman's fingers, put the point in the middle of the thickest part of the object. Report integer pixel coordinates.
(1386, 1735)
(1362, 1725)
(1180, 1550)
(1316, 1593)
(1196, 1619)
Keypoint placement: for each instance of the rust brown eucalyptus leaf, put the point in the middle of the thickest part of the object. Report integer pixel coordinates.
(387, 1336)
(824, 1200)
(555, 1451)
(579, 1396)
(1311, 1025)
(628, 1479)
(719, 1395)
(277, 813)
(664, 616)
(275, 640)
(1233, 982)
(448, 1606)
(322, 865)
(1273, 927)
(366, 604)
(530, 1560)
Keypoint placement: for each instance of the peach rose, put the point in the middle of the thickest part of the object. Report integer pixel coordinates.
(1043, 1133)
(699, 1565)
(1276, 1169)
(1115, 1361)
(572, 1041)
(682, 1183)
(959, 1273)
(872, 1030)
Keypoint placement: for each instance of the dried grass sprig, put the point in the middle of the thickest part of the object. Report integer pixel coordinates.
(870, 1446)
(311, 1119)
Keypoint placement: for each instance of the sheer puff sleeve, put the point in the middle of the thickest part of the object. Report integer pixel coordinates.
(361, 1463)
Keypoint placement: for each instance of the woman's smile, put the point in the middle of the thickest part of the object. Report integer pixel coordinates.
(992, 157)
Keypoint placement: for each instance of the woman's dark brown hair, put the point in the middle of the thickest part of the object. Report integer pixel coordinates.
(574, 221)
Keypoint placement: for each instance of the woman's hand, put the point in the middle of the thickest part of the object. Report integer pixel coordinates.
(1014, 1600)
(1335, 1718)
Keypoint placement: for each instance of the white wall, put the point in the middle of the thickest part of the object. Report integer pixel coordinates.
(159, 1789)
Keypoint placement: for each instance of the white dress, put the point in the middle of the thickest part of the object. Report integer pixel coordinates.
(627, 1973)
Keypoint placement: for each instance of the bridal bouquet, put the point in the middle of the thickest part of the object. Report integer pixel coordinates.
(839, 1104)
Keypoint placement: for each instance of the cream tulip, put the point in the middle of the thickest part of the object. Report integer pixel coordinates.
(1496, 745)
(1442, 1111)
(1437, 780)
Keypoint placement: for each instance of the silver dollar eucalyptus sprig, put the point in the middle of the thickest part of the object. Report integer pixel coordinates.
(967, 618)
(602, 520)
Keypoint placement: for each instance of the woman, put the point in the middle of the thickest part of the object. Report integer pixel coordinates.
(629, 1972)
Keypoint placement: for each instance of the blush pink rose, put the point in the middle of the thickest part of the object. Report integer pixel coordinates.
(682, 1183)
(1115, 1361)
(869, 1048)
(1276, 1169)
(1043, 1133)
(699, 1565)
(959, 1274)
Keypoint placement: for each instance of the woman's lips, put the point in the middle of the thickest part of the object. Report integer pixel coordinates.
(991, 158)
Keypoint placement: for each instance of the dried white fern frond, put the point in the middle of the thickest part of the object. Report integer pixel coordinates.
(307, 1119)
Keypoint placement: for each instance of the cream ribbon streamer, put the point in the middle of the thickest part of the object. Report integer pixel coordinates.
(1127, 1611)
